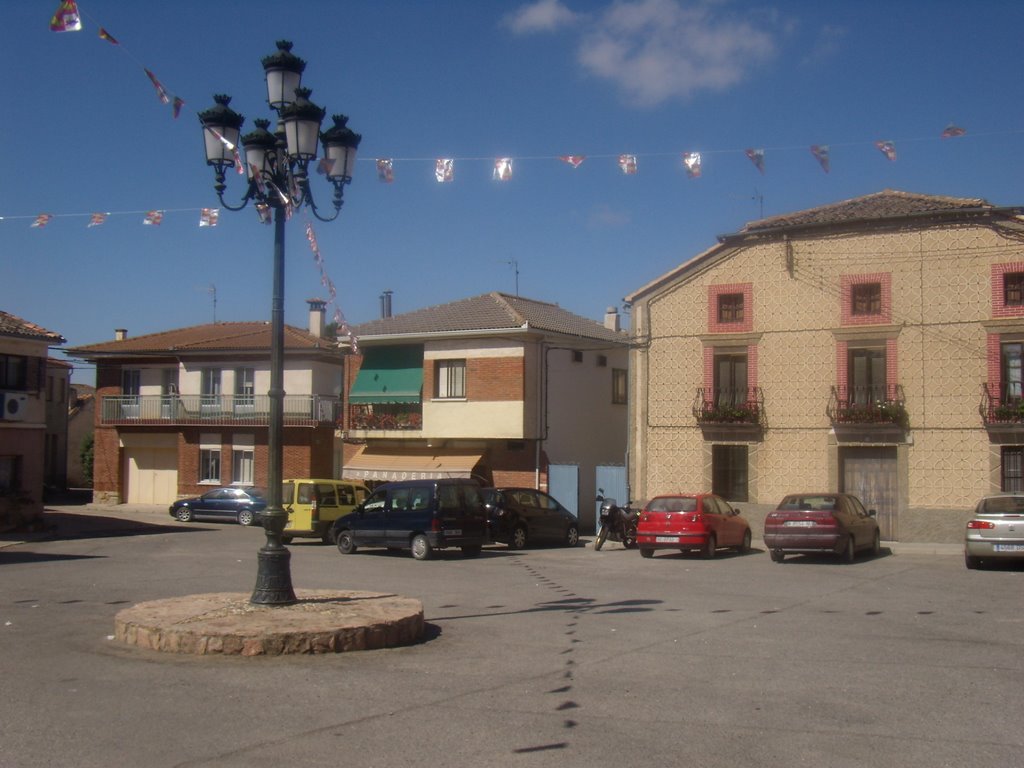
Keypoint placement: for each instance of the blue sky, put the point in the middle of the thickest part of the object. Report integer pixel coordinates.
(85, 132)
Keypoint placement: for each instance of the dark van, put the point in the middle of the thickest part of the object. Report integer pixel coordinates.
(418, 515)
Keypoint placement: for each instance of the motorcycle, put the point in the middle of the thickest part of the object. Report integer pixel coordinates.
(616, 523)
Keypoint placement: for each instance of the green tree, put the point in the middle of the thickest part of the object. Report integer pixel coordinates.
(85, 453)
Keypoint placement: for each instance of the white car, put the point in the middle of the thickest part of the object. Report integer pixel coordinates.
(996, 532)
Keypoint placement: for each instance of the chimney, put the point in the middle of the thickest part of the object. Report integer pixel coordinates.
(611, 319)
(385, 305)
(120, 334)
(317, 316)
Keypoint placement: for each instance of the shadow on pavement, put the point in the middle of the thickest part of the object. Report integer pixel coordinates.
(21, 556)
(61, 526)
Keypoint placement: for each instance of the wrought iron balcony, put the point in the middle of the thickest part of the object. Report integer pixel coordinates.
(882, 405)
(1001, 405)
(216, 410)
(385, 416)
(725, 406)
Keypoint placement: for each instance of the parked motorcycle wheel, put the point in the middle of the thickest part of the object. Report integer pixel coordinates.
(602, 536)
(629, 539)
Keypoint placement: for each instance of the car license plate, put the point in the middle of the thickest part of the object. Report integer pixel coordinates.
(799, 524)
(1008, 547)
(665, 539)
(454, 532)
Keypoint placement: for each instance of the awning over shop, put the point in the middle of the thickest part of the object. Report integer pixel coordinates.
(389, 375)
(390, 465)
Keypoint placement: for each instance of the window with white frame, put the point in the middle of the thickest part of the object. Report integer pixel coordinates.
(245, 385)
(209, 459)
(243, 460)
(209, 388)
(450, 378)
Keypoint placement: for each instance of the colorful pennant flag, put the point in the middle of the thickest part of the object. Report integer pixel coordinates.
(263, 212)
(325, 166)
(104, 35)
(42, 220)
(385, 170)
(502, 169)
(820, 151)
(161, 92)
(66, 18)
(574, 160)
(887, 148)
(952, 131)
(691, 161)
(444, 169)
(96, 219)
(757, 158)
(178, 104)
(628, 164)
(208, 217)
(153, 218)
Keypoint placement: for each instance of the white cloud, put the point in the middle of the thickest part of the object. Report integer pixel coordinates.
(604, 217)
(658, 50)
(541, 16)
(827, 45)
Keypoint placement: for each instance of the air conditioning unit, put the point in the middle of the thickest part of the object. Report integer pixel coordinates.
(13, 406)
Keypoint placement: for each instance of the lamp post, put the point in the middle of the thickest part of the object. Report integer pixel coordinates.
(276, 167)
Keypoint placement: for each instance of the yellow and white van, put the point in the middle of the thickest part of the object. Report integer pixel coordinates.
(312, 505)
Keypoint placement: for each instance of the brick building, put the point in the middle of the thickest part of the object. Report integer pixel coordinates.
(183, 410)
(875, 346)
(496, 387)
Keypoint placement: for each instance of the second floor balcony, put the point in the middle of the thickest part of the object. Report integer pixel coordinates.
(882, 405)
(729, 406)
(216, 410)
(1002, 405)
(382, 417)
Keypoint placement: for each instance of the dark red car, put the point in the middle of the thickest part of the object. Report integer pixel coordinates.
(699, 521)
(821, 523)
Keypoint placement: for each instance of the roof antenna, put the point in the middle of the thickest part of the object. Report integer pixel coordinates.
(760, 202)
(515, 265)
(212, 290)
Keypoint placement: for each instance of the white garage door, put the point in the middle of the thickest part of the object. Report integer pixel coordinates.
(152, 475)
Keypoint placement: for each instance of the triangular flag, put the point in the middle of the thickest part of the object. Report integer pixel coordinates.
(385, 170)
(887, 148)
(691, 160)
(444, 169)
(104, 35)
(757, 158)
(42, 220)
(952, 131)
(208, 217)
(820, 151)
(153, 218)
(628, 164)
(160, 90)
(66, 18)
(325, 166)
(178, 104)
(96, 219)
(502, 169)
(263, 212)
(574, 160)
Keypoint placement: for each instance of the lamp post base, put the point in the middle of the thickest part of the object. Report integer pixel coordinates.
(273, 577)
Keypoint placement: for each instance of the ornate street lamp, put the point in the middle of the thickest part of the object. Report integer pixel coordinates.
(276, 165)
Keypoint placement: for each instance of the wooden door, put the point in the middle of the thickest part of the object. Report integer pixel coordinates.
(870, 475)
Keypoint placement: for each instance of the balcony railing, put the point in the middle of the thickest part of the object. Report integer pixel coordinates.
(724, 406)
(1001, 405)
(385, 416)
(882, 405)
(215, 410)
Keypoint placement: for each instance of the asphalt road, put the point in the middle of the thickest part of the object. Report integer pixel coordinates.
(533, 658)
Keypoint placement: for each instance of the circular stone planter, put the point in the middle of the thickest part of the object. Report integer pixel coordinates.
(322, 621)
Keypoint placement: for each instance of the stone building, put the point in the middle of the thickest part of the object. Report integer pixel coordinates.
(873, 346)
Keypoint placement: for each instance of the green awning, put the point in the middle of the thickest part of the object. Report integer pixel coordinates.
(389, 375)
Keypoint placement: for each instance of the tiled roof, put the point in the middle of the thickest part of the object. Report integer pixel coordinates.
(489, 312)
(887, 204)
(12, 325)
(213, 337)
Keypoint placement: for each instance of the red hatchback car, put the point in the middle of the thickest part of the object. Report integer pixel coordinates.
(691, 521)
(821, 523)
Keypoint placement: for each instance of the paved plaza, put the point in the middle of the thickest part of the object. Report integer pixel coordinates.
(537, 657)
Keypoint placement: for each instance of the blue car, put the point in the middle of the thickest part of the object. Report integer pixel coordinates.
(240, 504)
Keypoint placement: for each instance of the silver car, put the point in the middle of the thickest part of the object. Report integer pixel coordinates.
(996, 532)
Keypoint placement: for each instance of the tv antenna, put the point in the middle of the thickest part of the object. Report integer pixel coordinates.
(515, 266)
(212, 290)
(760, 203)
